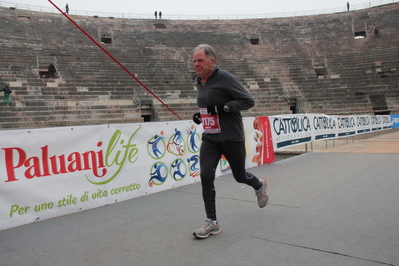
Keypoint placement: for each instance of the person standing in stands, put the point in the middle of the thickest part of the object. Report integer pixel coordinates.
(220, 99)
(156, 14)
(7, 92)
(376, 30)
(160, 14)
(347, 6)
(51, 70)
(67, 8)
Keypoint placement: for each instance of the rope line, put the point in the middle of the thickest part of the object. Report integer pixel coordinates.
(113, 58)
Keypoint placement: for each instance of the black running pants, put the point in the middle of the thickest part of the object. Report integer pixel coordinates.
(210, 154)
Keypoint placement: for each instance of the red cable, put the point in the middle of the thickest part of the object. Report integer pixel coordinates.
(113, 58)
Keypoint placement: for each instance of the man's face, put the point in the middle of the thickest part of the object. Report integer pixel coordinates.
(203, 65)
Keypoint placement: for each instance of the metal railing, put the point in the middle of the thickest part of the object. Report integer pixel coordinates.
(51, 9)
(136, 100)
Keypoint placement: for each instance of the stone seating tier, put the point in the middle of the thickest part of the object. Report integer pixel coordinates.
(312, 61)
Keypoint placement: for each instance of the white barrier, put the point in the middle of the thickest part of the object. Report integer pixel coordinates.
(288, 130)
(49, 172)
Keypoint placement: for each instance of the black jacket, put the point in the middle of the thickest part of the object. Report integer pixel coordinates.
(6, 90)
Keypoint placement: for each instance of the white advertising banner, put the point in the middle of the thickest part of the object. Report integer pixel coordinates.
(50, 172)
(55, 171)
(294, 129)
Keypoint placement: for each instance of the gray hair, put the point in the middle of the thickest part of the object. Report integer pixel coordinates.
(209, 51)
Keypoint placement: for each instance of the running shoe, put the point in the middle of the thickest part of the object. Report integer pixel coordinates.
(207, 229)
(262, 195)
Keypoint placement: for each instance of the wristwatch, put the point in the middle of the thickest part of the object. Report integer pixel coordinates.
(226, 109)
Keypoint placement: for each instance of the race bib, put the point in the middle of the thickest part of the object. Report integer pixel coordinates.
(210, 123)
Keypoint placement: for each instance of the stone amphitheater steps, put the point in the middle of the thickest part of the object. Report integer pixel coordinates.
(360, 74)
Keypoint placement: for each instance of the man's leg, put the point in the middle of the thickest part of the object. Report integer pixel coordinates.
(7, 97)
(209, 158)
(235, 154)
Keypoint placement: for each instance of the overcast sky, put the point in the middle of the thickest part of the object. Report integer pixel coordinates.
(202, 7)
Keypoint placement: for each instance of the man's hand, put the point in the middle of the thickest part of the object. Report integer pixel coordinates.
(197, 118)
(214, 109)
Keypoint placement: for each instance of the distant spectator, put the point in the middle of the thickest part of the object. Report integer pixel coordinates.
(51, 70)
(67, 8)
(347, 6)
(160, 14)
(376, 30)
(156, 14)
(7, 92)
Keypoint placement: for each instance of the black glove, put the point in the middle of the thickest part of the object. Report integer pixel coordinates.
(214, 109)
(197, 118)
